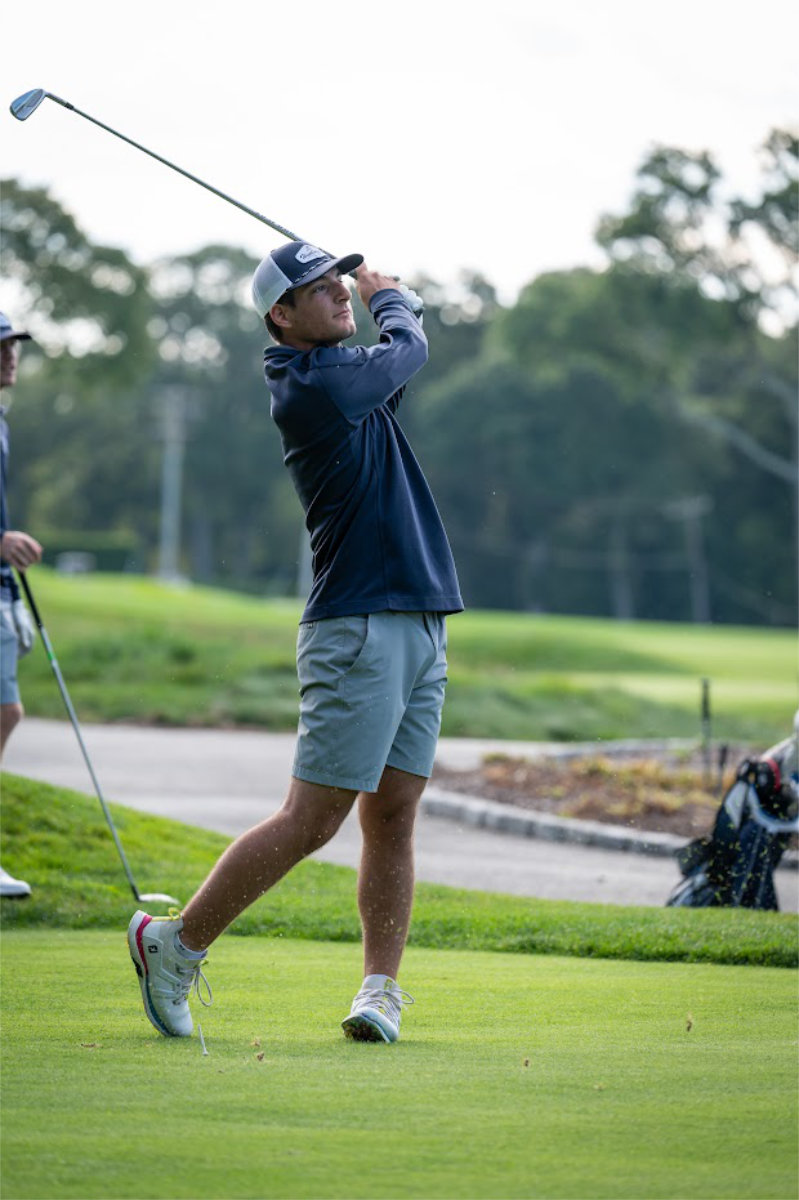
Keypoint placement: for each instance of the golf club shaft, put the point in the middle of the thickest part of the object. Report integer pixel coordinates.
(73, 718)
(187, 174)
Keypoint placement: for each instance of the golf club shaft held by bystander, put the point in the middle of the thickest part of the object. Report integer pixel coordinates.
(159, 897)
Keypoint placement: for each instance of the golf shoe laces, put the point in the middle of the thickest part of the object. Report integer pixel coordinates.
(192, 977)
(390, 1001)
(197, 984)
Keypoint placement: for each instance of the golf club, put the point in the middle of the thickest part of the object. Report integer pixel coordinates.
(159, 897)
(25, 105)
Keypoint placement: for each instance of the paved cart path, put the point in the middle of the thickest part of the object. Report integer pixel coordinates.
(227, 780)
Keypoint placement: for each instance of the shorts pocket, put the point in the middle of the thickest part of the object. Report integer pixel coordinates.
(350, 641)
(330, 649)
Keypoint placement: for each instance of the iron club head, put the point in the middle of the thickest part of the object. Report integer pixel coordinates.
(24, 105)
(158, 898)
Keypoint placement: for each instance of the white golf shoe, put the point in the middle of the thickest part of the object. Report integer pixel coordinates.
(166, 973)
(15, 888)
(376, 1011)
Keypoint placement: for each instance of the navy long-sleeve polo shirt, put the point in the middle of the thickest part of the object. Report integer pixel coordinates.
(377, 539)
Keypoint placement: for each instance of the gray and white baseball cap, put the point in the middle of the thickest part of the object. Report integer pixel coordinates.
(7, 331)
(290, 267)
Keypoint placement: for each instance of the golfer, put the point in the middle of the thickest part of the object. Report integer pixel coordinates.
(371, 650)
(20, 550)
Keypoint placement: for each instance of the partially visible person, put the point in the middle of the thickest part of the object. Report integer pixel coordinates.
(18, 550)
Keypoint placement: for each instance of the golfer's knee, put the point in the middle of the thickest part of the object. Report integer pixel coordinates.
(393, 807)
(314, 814)
(388, 823)
(317, 831)
(10, 717)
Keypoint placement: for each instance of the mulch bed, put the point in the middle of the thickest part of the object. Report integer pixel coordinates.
(667, 794)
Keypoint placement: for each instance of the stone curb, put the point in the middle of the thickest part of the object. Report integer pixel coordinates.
(503, 818)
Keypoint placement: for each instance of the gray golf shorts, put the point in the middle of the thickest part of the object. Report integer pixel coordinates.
(371, 695)
(9, 688)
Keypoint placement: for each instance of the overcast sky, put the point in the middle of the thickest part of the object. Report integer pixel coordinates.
(427, 134)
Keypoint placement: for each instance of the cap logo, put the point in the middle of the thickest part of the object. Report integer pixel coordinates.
(308, 253)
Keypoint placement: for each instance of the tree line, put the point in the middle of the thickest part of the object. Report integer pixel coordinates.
(616, 442)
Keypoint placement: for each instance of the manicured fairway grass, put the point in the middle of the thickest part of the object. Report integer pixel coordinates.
(516, 1076)
(133, 649)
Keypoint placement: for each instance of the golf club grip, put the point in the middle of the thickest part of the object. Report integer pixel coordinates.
(29, 597)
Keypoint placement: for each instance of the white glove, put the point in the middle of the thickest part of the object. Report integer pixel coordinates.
(413, 300)
(26, 632)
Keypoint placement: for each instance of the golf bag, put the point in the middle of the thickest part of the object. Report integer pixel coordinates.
(734, 866)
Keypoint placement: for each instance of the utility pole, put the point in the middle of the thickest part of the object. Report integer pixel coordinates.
(173, 432)
(690, 510)
(620, 572)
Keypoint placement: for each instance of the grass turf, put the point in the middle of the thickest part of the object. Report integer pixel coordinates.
(134, 649)
(516, 1076)
(45, 828)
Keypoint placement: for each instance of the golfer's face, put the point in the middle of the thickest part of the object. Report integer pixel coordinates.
(322, 313)
(9, 358)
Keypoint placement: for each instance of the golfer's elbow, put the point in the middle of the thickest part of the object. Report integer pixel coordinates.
(416, 348)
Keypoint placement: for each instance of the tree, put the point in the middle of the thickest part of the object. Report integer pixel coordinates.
(775, 215)
(80, 447)
(77, 296)
(678, 225)
(674, 327)
(242, 522)
(739, 389)
(540, 478)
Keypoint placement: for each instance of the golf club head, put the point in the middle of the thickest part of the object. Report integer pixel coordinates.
(158, 898)
(24, 105)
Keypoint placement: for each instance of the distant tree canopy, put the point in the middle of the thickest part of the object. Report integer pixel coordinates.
(616, 442)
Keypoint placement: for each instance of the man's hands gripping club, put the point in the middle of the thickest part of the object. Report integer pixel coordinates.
(21, 551)
(368, 282)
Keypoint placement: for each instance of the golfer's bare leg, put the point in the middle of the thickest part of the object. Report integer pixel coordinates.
(386, 877)
(308, 818)
(10, 717)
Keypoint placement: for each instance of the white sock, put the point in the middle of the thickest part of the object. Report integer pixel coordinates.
(376, 981)
(195, 954)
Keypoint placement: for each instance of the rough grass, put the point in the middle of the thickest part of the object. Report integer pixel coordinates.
(58, 840)
(133, 649)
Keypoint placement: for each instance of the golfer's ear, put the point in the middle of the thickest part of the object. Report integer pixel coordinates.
(280, 316)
